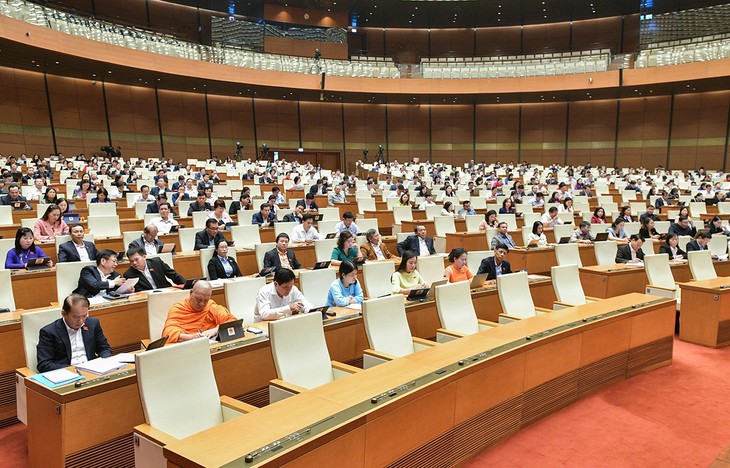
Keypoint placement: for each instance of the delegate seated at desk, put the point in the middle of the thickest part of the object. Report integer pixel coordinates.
(347, 224)
(77, 249)
(50, 225)
(700, 241)
(200, 204)
(154, 207)
(583, 234)
(165, 221)
(265, 216)
(374, 248)
(406, 277)
(631, 252)
(671, 248)
(196, 316)
(308, 203)
(306, 232)
(346, 248)
(458, 271)
(496, 265)
(24, 250)
(152, 273)
(208, 237)
(148, 241)
(295, 216)
(346, 289)
(418, 242)
(221, 265)
(281, 256)
(280, 298)
(14, 199)
(502, 237)
(96, 280)
(73, 339)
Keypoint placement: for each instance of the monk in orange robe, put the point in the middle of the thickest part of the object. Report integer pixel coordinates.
(195, 317)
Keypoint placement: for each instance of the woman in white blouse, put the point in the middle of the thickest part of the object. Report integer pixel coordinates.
(220, 215)
(538, 234)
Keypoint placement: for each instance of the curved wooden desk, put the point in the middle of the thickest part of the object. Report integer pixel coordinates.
(449, 401)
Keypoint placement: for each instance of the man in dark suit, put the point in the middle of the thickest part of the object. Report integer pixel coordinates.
(154, 207)
(700, 241)
(275, 256)
(208, 237)
(96, 280)
(14, 199)
(631, 252)
(199, 204)
(265, 217)
(59, 345)
(148, 241)
(77, 247)
(152, 273)
(495, 265)
(418, 242)
(663, 200)
(308, 202)
(295, 216)
(319, 188)
(159, 188)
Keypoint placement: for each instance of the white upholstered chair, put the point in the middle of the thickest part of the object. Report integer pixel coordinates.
(315, 284)
(568, 254)
(605, 252)
(456, 312)
(240, 296)
(67, 278)
(514, 296)
(376, 278)
(158, 305)
(567, 287)
(661, 280)
(701, 266)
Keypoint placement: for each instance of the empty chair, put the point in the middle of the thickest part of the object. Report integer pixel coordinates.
(30, 326)
(7, 300)
(659, 274)
(323, 249)
(6, 215)
(285, 228)
(683, 241)
(326, 227)
(475, 257)
(240, 297)
(701, 266)
(205, 256)
(104, 226)
(158, 304)
(67, 278)
(187, 239)
(387, 330)
(102, 209)
(330, 214)
(431, 211)
(246, 236)
(431, 268)
(472, 222)
(568, 254)
(567, 287)
(301, 357)
(562, 230)
(260, 251)
(199, 218)
(456, 312)
(402, 213)
(365, 204)
(315, 284)
(515, 298)
(168, 393)
(718, 245)
(605, 252)
(376, 278)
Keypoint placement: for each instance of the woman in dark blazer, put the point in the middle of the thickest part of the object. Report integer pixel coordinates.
(671, 247)
(221, 265)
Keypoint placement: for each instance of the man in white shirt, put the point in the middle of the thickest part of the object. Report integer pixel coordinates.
(280, 298)
(164, 222)
(279, 200)
(38, 190)
(551, 218)
(305, 232)
(347, 224)
(191, 189)
(427, 202)
(144, 195)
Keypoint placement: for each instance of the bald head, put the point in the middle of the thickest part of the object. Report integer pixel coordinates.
(200, 295)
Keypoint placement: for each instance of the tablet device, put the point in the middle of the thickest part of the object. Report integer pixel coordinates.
(601, 236)
(175, 229)
(432, 289)
(267, 271)
(478, 281)
(165, 248)
(321, 265)
(323, 311)
(533, 243)
(418, 294)
(358, 261)
(191, 282)
(230, 330)
(38, 263)
(564, 240)
(120, 255)
(317, 217)
(157, 343)
(72, 219)
(331, 235)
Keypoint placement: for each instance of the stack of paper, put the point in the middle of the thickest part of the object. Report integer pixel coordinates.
(56, 378)
(101, 366)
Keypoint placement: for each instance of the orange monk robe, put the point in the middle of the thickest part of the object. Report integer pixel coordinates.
(183, 319)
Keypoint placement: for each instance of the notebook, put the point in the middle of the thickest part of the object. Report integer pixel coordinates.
(101, 366)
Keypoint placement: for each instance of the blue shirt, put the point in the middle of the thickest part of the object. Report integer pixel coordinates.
(18, 260)
(338, 294)
(226, 266)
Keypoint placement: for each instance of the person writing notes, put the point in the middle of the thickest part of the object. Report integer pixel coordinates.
(196, 316)
(406, 277)
(280, 298)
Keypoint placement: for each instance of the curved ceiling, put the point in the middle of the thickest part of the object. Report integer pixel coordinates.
(458, 13)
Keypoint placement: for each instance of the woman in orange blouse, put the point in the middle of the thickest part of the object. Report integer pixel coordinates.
(458, 271)
(50, 225)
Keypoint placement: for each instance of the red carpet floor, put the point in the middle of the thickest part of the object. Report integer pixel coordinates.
(675, 416)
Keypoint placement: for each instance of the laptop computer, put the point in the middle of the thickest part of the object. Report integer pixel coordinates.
(38, 263)
(321, 265)
(418, 294)
(564, 240)
(478, 281)
(533, 243)
(230, 330)
(432, 289)
(157, 343)
(165, 248)
(323, 310)
(601, 236)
